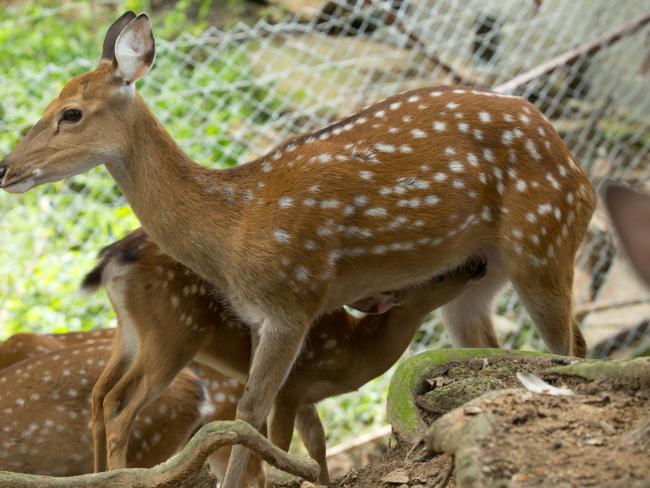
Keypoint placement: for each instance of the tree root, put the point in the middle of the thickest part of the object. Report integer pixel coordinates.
(172, 472)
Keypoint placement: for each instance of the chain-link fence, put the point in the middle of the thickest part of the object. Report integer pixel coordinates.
(228, 96)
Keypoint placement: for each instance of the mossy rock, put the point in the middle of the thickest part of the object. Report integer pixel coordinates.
(447, 397)
(633, 373)
(409, 380)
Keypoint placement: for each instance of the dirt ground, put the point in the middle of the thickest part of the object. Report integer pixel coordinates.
(599, 436)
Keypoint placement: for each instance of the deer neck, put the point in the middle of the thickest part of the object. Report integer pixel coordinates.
(173, 197)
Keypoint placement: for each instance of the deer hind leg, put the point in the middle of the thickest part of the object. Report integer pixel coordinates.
(546, 292)
(146, 378)
(117, 365)
(468, 317)
(312, 433)
(279, 344)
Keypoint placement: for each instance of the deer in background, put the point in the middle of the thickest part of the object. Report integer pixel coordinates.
(46, 410)
(630, 212)
(26, 345)
(54, 381)
(173, 316)
(381, 200)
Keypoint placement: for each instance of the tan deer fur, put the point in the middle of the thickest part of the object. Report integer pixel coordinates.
(163, 304)
(381, 200)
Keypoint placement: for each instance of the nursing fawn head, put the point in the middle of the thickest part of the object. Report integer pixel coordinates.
(89, 122)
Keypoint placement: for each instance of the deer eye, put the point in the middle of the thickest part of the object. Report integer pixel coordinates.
(71, 115)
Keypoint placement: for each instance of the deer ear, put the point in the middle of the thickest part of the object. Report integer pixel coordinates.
(630, 212)
(108, 50)
(135, 50)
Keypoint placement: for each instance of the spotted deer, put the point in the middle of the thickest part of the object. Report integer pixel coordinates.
(381, 200)
(27, 345)
(45, 406)
(54, 381)
(161, 304)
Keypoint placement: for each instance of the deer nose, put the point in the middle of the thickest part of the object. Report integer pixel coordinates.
(3, 170)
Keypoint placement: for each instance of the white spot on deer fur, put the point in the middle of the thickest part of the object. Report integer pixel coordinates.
(456, 167)
(562, 170)
(472, 159)
(531, 217)
(431, 200)
(407, 118)
(366, 175)
(532, 150)
(281, 236)
(387, 148)
(506, 137)
(458, 115)
(266, 167)
(435, 93)
(440, 177)
(418, 134)
(498, 174)
(517, 133)
(508, 118)
(450, 151)
(301, 273)
(535, 239)
(550, 252)
(393, 130)
(484, 117)
(554, 183)
(463, 127)
(544, 208)
(521, 185)
(384, 190)
(309, 202)
(324, 158)
(405, 149)
(558, 213)
(524, 118)
(380, 114)
(413, 99)
(376, 212)
(488, 155)
(486, 214)
(482, 178)
(395, 105)
(458, 184)
(439, 126)
(331, 203)
(500, 187)
(452, 105)
(478, 134)
(569, 198)
(285, 202)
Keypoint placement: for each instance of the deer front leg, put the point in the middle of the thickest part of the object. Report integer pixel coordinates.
(117, 365)
(279, 345)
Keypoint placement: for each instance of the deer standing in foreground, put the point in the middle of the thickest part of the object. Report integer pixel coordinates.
(383, 199)
(173, 316)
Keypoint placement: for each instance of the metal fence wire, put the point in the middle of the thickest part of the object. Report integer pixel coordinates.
(229, 96)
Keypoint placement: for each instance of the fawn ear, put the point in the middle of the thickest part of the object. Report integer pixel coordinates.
(135, 50)
(630, 212)
(108, 49)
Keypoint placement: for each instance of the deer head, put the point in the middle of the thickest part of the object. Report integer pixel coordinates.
(71, 137)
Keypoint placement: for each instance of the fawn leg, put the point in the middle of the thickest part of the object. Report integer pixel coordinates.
(279, 344)
(117, 365)
(312, 433)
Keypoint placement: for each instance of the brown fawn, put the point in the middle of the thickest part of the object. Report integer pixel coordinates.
(167, 315)
(54, 367)
(381, 200)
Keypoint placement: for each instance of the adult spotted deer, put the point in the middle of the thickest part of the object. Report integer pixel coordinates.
(48, 407)
(168, 315)
(45, 406)
(384, 199)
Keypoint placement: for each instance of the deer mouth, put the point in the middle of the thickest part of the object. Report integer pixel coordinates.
(20, 184)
